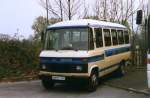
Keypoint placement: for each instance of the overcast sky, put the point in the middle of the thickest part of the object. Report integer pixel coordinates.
(19, 14)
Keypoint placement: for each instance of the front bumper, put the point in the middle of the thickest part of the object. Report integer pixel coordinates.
(69, 77)
(64, 74)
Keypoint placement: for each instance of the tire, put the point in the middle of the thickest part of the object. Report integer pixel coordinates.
(128, 63)
(47, 84)
(93, 81)
(121, 70)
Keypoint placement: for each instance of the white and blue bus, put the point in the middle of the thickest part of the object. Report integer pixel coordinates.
(83, 50)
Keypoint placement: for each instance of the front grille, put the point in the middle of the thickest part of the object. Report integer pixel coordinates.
(65, 68)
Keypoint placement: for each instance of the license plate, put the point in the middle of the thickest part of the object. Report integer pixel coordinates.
(58, 78)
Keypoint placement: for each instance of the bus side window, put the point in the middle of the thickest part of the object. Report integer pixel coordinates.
(91, 41)
(99, 38)
(126, 36)
(114, 37)
(107, 37)
(120, 37)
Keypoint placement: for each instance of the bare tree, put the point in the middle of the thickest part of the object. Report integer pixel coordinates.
(110, 10)
(130, 8)
(62, 9)
(105, 9)
(55, 8)
(114, 10)
(60, 6)
(72, 8)
(85, 13)
(97, 10)
(100, 9)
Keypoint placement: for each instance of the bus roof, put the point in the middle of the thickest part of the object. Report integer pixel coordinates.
(85, 23)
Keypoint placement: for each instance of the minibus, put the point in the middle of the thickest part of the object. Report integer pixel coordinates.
(83, 51)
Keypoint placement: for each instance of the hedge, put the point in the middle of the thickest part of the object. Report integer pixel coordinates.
(18, 58)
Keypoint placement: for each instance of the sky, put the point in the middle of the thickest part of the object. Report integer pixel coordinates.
(18, 16)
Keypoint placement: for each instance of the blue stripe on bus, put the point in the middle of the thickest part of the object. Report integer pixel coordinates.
(63, 60)
(115, 51)
(96, 58)
(54, 60)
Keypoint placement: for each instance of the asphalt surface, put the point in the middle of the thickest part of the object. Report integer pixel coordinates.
(33, 89)
(134, 79)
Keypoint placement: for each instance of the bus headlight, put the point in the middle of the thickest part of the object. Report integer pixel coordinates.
(43, 66)
(85, 60)
(79, 68)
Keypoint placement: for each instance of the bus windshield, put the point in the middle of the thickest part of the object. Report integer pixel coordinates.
(67, 39)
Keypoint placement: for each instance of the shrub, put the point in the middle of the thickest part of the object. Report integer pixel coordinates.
(18, 58)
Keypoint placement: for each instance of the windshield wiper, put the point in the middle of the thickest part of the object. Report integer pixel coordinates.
(67, 48)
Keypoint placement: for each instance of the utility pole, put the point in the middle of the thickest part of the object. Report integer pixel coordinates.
(122, 11)
(69, 10)
(132, 14)
(47, 12)
(61, 10)
(105, 4)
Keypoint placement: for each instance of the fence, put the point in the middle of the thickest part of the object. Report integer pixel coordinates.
(139, 58)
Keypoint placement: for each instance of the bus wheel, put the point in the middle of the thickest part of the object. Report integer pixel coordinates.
(93, 81)
(121, 70)
(47, 84)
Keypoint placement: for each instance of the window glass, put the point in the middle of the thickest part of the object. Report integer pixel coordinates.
(120, 37)
(114, 37)
(126, 36)
(91, 42)
(76, 36)
(67, 39)
(107, 37)
(99, 38)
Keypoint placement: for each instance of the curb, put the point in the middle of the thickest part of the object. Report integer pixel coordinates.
(129, 89)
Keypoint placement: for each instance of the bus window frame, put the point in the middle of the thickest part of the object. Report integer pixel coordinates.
(89, 43)
(110, 31)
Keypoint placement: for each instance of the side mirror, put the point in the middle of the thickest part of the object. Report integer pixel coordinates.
(139, 17)
(43, 38)
(43, 35)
